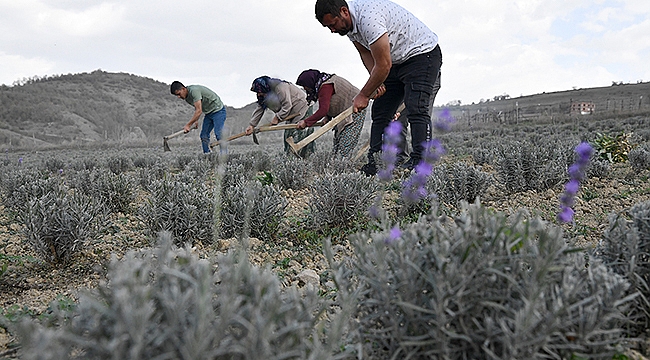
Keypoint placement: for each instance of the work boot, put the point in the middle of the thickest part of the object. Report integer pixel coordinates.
(370, 169)
(409, 164)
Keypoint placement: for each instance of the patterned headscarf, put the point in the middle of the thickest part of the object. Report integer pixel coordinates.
(312, 80)
(264, 84)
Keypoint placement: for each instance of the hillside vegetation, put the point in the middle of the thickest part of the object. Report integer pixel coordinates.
(78, 109)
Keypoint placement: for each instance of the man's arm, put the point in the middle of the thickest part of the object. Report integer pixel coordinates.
(195, 117)
(378, 62)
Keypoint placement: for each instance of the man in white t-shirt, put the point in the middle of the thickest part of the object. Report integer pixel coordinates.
(403, 58)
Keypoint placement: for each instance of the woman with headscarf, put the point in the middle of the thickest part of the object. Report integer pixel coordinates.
(334, 95)
(289, 104)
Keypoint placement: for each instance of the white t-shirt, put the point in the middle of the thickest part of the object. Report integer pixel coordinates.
(408, 36)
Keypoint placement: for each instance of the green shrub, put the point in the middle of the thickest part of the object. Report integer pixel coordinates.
(614, 148)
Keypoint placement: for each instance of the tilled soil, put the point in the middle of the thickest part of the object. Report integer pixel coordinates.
(29, 285)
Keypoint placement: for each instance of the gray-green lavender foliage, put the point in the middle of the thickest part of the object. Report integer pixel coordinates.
(479, 286)
(292, 172)
(326, 161)
(58, 224)
(168, 304)
(458, 182)
(639, 158)
(341, 199)
(21, 185)
(523, 166)
(53, 164)
(598, 168)
(251, 208)
(119, 164)
(185, 210)
(483, 156)
(115, 191)
(625, 248)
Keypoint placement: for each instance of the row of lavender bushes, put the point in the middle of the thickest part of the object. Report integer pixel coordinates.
(476, 286)
(470, 285)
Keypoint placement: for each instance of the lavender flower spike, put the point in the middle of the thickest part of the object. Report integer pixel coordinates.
(389, 149)
(576, 174)
(393, 235)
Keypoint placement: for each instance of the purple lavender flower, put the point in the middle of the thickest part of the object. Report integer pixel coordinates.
(20, 160)
(576, 174)
(414, 187)
(445, 120)
(393, 235)
(566, 214)
(389, 149)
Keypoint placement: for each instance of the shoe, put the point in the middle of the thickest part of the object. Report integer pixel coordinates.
(409, 164)
(370, 169)
(401, 159)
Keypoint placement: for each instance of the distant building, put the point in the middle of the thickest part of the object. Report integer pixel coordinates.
(582, 107)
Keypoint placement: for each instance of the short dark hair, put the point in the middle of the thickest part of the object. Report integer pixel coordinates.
(332, 7)
(175, 86)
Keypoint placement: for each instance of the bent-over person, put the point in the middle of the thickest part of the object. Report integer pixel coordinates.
(288, 102)
(334, 95)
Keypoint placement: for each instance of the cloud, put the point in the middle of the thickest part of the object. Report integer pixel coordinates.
(489, 48)
(20, 67)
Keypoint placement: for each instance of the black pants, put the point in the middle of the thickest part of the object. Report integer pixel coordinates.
(412, 82)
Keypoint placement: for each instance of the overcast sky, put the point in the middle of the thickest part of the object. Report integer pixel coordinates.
(514, 47)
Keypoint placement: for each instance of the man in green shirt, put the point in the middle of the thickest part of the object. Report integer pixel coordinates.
(204, 101)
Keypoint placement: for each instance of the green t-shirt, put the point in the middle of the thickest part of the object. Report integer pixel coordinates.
(210, 101)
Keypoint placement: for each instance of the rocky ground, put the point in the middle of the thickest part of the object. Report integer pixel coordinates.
(28, 285)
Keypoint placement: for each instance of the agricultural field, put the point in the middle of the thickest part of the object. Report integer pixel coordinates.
(117, 250)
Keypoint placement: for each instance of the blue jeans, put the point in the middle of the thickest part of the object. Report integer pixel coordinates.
(413, 82)
(213, 120)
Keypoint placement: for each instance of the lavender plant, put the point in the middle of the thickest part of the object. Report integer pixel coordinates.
(168, 304)
(625, 248)
(250, 208)
(85, 163)
(21, 186)
(639, 158)
(58, 224)
(119, 164)
(185, 210)
(115, 191)
(522, 166)
(598, 168)
(341, 199)
(292, 172)
(480, 286)
(323, 161)
(458, 182)
(53, 164)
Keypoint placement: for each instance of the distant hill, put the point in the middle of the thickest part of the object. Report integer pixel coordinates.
(77, 109)
(87, 108)
(606, 101)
